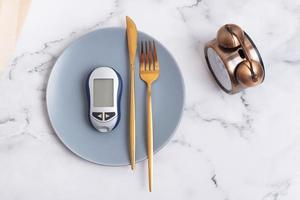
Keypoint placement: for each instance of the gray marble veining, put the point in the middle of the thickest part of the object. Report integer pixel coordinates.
(244, 146)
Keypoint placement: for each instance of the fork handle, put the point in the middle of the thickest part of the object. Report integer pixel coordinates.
(132, 118)
(149, 137)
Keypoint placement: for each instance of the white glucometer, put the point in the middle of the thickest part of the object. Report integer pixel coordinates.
(104, 88)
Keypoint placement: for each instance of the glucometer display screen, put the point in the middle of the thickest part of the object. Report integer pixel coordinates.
(103, 92)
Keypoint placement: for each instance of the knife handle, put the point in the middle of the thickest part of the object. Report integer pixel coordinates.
(132, 117)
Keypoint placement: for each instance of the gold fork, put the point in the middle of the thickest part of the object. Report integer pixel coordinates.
(149, 72)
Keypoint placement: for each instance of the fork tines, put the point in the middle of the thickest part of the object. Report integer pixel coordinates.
(148, 56)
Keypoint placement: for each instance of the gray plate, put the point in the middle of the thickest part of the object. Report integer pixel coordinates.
(67, 102)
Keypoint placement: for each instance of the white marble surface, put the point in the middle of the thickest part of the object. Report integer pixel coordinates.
(241, 147)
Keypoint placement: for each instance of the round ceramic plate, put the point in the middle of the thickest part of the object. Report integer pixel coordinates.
(67, 101)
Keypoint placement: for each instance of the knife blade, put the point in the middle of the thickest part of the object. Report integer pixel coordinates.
(132, 46)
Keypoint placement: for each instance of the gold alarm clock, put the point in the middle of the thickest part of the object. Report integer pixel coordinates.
(234, 60)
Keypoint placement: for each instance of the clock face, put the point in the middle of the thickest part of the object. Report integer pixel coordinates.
(218, 69)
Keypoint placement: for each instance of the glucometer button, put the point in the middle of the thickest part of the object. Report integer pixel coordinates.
(98, 115)
(109, 115)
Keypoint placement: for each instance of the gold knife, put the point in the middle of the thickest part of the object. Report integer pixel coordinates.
(132, 45)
